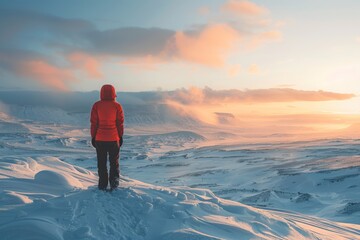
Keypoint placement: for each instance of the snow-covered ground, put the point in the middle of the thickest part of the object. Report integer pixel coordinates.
(180, 181)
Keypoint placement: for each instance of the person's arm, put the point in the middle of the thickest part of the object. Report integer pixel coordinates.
(120, 122)
(94, 120)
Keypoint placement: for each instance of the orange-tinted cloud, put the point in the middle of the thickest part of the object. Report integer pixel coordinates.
(244, 8)
(209, 47)
(209, 96)
(47, 74)
(86, 62)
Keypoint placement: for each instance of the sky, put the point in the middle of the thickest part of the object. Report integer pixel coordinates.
(188, 45)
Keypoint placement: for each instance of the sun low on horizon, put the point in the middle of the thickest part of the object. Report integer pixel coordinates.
(285, 57)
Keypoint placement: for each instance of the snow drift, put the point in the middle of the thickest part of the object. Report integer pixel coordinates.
(143, 211)
(51, 199)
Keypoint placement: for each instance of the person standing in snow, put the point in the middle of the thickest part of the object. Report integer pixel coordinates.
(107, 129)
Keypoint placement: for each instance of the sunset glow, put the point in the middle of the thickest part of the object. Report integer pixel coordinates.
(179, 119)
(263, 58)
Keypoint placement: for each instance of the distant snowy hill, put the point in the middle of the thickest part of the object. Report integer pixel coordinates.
(146, 108)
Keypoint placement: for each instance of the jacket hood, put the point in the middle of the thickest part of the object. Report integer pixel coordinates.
(107, 92)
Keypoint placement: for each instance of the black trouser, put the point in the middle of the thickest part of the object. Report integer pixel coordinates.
(102, 150)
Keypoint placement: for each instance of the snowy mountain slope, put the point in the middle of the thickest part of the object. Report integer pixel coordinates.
(197, 176)
(48, 197)
(55, 204)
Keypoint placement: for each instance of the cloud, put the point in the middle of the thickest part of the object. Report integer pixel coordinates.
(45, 73)
(15, 22)
(246, 8)
(24, 57)
(145, 48)
(208, 96)
(29, 65)
(88, 63)
(19, 62)
(129, 41)
(209, 47)
(74, 46)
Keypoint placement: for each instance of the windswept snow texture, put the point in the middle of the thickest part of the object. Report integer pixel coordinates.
(143, 211)
(193, 181)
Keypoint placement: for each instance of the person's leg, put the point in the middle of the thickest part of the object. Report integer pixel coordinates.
(101, 152)
(114, 150)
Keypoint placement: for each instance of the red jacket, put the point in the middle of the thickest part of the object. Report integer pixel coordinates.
(107, 116)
